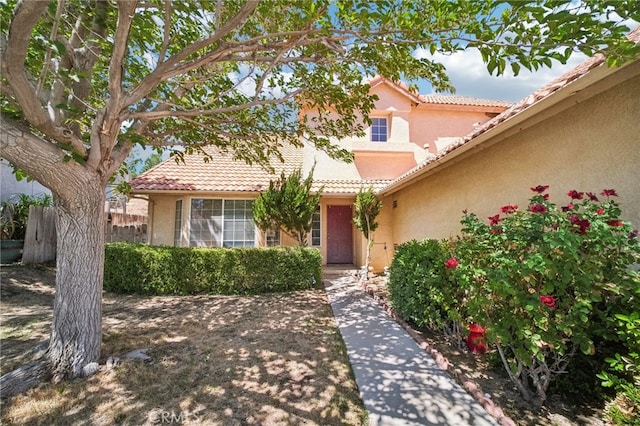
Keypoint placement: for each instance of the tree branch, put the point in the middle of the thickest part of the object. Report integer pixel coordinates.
(169, 68)
(25, 17)
(42, 160)
(158, 114)
(166, 38)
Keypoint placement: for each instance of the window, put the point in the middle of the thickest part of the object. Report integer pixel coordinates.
(315, 228)
(177, 225)
(221, 223)
(379, 129)
(239, 230)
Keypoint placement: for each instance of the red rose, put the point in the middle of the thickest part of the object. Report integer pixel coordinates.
(609, 193)
(540, 188)
(568, 207)
(575, 194)
(600, 211)
(451, 263)
(592, 196)
(549, 301)
(509, 209)
(583, 224)
(494, 220)
(537, 208)
(614, 223)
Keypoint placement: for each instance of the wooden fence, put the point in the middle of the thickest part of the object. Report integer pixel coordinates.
(40, 239)
(126, 227)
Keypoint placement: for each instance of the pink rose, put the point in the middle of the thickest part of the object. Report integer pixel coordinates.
(550, 301)
(451, 263)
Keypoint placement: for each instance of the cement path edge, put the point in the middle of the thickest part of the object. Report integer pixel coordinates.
(463, 380)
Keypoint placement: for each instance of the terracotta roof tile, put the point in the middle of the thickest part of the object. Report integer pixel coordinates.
(463, 100)
(220, 174)
(348, 187)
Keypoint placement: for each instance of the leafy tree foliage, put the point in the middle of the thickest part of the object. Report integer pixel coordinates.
(367, 208)
(289, 205)
(84, 81)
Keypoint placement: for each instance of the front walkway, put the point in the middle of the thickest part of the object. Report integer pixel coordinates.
(399, 382)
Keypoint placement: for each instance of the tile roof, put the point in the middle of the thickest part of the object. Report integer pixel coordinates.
(463, 100)
(544, 92)
(223, 174)
(348, 187)
(220, 174)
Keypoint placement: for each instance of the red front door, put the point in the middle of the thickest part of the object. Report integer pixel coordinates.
(339, 234)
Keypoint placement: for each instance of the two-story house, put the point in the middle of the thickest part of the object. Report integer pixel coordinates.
(209, 204)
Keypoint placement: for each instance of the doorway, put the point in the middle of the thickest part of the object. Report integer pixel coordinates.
(339, 234)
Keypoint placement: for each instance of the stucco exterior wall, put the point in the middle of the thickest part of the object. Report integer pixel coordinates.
(591, 146)
(382, 249)
(10, 187)
(162, 211)
(432, 122)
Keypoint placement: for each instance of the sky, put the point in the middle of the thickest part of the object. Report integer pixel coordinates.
(470, 77)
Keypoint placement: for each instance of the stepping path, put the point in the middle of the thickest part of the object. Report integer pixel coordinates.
(399, 382)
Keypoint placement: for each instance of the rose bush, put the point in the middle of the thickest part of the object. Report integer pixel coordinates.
(547, 280)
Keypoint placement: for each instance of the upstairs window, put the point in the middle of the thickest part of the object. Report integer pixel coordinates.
(379, 129)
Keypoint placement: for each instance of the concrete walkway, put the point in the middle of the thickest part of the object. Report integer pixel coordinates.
(399, 382)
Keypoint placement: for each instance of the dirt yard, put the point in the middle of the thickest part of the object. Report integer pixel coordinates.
(274, 359)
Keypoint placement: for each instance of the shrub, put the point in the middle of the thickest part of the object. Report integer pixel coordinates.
(624, 371)
(154, 270)
(14, 214)
(421, 288)
(548, 280)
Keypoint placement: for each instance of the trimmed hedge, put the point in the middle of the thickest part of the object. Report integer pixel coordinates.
(421, 290)
(160, 270)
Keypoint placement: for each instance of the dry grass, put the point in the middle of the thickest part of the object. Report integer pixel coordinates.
(268, 360)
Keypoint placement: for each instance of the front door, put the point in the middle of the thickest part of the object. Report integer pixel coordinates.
(339, 234)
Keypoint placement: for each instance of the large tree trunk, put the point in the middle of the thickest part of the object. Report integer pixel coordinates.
(77, 311)
(79, 197)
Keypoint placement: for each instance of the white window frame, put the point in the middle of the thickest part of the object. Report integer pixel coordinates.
(376, 136)
(177, 223)
(316, 240)
(223, 228)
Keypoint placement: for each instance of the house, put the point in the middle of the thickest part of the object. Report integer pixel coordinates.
(429, 160)
(202, 203)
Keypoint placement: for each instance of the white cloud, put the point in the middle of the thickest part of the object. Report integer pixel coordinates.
(470, 77)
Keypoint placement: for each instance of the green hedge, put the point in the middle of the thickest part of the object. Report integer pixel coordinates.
(421, 289)
(159, 270)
